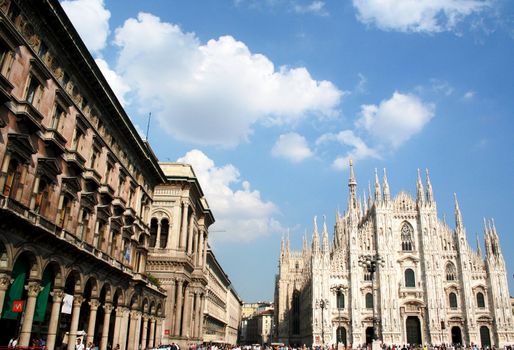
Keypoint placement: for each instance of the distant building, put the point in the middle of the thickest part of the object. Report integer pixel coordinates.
(255, 324)
(432, 287)
(223, 306)
(179, 222)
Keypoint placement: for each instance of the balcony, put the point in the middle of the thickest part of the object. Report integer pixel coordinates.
(29, 114)
(106, 189)
(73, 157)
(92, 175)
(54, 138)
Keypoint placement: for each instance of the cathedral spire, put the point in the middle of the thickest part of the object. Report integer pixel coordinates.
(324, 247)
(378, 191)
(419, 190)
(305, 244)
(287, 242)
(365, 201)
(315, 237)
(458, 215)
(352, 185)
(370, 200)
(479, 251)
(430, 195)
(387, 193)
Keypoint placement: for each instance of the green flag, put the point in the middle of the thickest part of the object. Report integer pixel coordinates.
(15, 291)
(42, 298)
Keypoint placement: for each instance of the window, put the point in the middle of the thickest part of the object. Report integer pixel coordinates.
(12, 182)
(453, 300)
(367, 276)
(407, 235)
(64, 214)
(410, 278)
(94, 158)
(153, 232)
(369, 301)
(78, 136)
(83, 227)
(57, 118)
(42, 195)
(121, 183)
(34, 91)
(451, 272)
(43, 49)
(340, 300)
(480, 300)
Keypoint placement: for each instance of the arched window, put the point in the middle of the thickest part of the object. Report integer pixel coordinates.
(451, 272)
(296, 312)
(367, 276)
(480, 300)
(410, 278)
(153, 232)
(369, 301)
(165, 227)
(340, 300)
(453, 300)
(407, 234)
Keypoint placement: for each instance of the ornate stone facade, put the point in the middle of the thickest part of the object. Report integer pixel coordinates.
(432, 287)
(180, 218)
(76, 185)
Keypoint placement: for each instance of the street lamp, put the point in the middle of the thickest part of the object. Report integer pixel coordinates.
(371, 264)
(322, 304)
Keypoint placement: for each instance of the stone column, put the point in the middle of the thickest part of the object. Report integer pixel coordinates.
(170, 305)
(122, 338)
(152, 333)
(204, 249)
(117, 325)
(158, 236)
(200, 325)
(94, 304)
(33, 289)
(158, 331)
(186, 319)
(183, 231)
(5, 281)
(145, 332)
(132, 330)
(197, 311)
(190, 234)
(138, 330)
(105, 328)
(178, 311)
(57, 296)
(75, 313)
(195, 248)
(200, 250)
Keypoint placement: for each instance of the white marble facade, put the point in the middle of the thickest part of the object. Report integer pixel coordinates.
(433, 288)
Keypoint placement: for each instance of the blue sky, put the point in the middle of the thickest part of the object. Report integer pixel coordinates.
(270, 99)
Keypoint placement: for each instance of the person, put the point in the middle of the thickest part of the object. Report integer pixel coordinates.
(117, 347)
(13, 342)
(80, 345)
(173, 346)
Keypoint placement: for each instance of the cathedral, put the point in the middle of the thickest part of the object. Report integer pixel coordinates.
(393, 272)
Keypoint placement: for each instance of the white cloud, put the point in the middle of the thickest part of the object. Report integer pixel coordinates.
(91, 19)
(293, 147)
(240, 213)
(358, 148)
(214, 93)
(469, 95)
(417, 15)
(316, 7)
(395, 120)
(115, 81)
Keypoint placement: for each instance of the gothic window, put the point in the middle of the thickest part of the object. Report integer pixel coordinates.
(296, 265)
(367, 276)
(480, 300)
(340, 300)
(369, 301)
(407, 235)
(296, 312)
(453, 300)
(451, 272)
(410, 278)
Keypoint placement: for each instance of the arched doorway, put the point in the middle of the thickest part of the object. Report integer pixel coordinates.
(485, 336)
(341, 335)
(369, 335)
(456, 336)
(413, 330)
